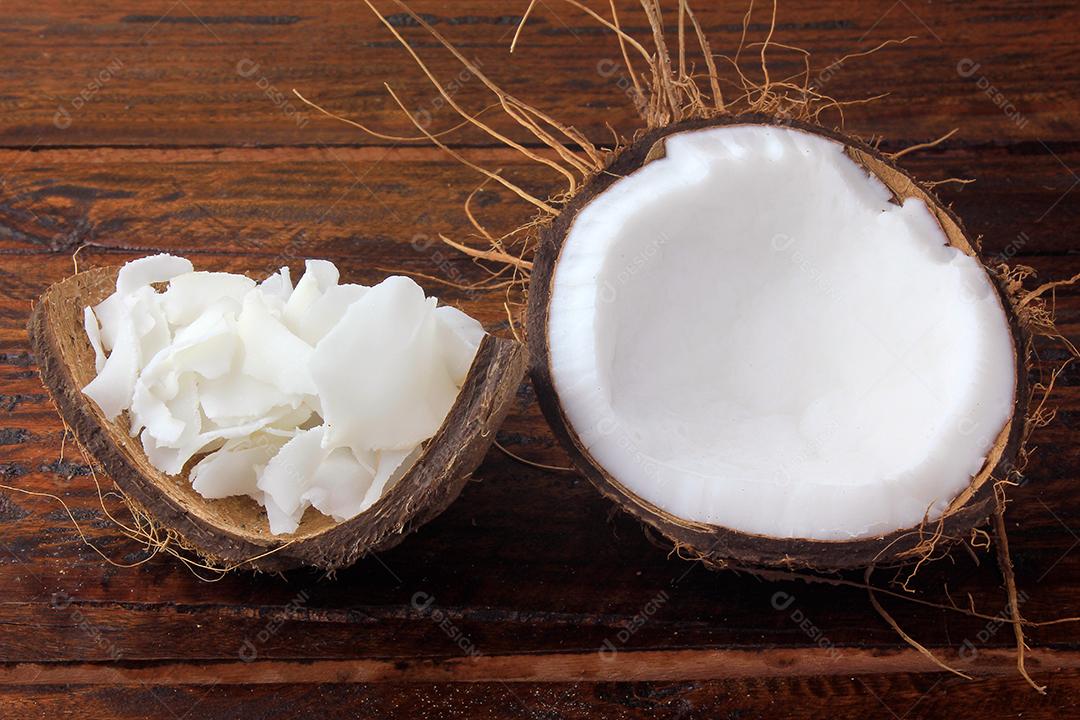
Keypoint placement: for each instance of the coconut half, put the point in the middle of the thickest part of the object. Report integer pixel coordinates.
(233, 531)
(771, 344)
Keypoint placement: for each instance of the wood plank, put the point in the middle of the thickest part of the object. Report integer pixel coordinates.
(918, 697)
(219, 73)
(564, 667)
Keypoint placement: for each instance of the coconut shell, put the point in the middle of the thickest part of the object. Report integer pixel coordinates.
(234, 531)
(722, 546)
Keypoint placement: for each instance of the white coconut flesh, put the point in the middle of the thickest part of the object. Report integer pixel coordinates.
(749, 333)
(319, 395)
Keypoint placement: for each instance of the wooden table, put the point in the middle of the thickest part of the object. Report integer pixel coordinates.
(170, 125)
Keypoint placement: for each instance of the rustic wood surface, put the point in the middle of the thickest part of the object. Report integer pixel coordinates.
(170, 125)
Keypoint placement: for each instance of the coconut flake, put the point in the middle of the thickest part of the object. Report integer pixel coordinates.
(277, 287)
(170, 451)
(339, 486)
(234, 469)
(114, 385)
(271, 352)
(177, 369)
(189, 296)
(319, 276)
(151, 325)
(379, 372)
(145, 271)
(288, 476)
(325, 312)
(237, 395)
(93, 333)
(392, 465)
(459, 335)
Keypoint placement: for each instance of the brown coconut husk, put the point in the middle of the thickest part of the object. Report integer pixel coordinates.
(671, 96)
(232, 533)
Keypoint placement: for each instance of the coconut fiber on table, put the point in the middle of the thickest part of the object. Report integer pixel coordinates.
(173, 127)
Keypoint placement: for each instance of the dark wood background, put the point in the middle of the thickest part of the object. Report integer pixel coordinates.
(131, 128)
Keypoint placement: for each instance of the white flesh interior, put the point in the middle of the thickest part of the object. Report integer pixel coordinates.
(749, 333)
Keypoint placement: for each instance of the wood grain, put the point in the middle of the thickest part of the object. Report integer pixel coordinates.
(198, 72)
(181, 149)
